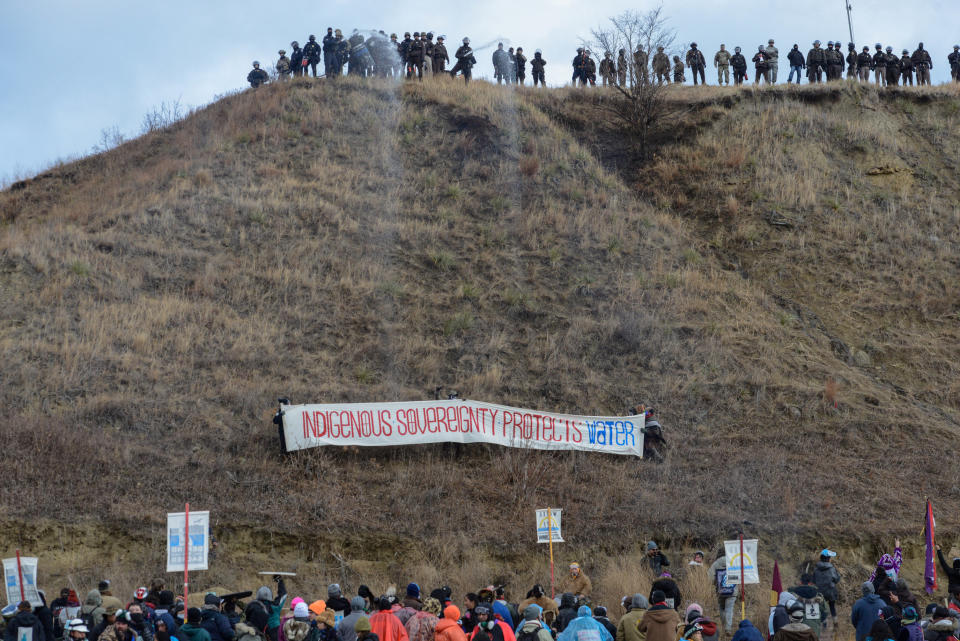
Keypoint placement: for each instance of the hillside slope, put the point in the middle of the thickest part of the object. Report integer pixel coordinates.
(780, 281)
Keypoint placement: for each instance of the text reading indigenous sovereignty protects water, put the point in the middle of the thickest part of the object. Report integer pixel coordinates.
(457, 421)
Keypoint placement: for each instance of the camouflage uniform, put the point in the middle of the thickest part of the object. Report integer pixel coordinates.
(661, 66)
(678, 76)
(607, 69)
(283, 66)
(697, 63)
(622, 67)
(834, 63)
(923, 64)
(640, 60)
(906, 70)
(439, 57)
(773, 61)
(416, 53)
(893, 68)
(721, 60)
(864, 62)
(257, 76)
(851, 61)
(816, 62)
(880, 67)
(427, 54)
(954, 60)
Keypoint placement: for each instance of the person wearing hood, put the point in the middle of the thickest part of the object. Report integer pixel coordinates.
(942, 626)
(139, 622)
(826, 577)
(412, 598)
(337, 603)
(865, 611)
(24, 618)
(628, 623)
(110, 602)
(668, 586)
(92, 609)
(910, 629)
(585, 628)
(216, 624)
(880, 631)
(345, 628)
(297, 627)
(532, 628)
(813, 603)
(193, 630)
(447, 628)
(657, 559)
(600, 616)
(489, 626)
(576, 582)
(660, 622)
(164, 611)
(547, 605)
(952, 571)
(120, 629)
(795, 629)
(708, 629)
(887, 567)
(566, 613)
(106, 621)
(747, 632)
(780, 615)
(385, 625)
(422, 625)
(263, 613)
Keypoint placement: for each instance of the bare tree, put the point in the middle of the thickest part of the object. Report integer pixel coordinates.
(642, 104)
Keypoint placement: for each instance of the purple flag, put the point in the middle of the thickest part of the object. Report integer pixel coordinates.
(930, 569)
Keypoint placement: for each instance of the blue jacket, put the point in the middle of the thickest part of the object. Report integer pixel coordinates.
(584, 627)
(865, 611)
(217, 625)
(747, 632)
(504, 612)
(163, 614)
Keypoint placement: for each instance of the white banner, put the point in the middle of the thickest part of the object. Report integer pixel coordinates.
(750, 570)
(199, 541)
(545, 525)
(457, 421)
(11, 579)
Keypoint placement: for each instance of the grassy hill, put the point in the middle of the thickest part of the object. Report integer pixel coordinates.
(780, 280)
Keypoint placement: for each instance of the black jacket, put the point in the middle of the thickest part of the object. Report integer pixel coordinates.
(25, 620)
(795, 56)
(669, 588)
(311, 51)
(953, 573)
(329, 44)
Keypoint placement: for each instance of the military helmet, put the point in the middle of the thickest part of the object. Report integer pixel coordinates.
(760, 48)
(816, 43)
(282, 52)
(905, 52)
(889, 49)
(439, 38)
(956, 46)
(850, 44)
(829, 43)
(393, 36)
(329, 28)
(693, 45)
(538, 51)
(736, 49)
(579, 49)
(256, 63)
(416, 34)
(659, 48)
(294, 44)
(406, 34)
(312, 37)
(607, 54)
(429, 35)
(878, 46)
(866, 48)
(466, 41)
(770, 41)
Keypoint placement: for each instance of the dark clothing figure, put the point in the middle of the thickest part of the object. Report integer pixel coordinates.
(257, 77)
(581, 68)
(416, 54)
(739, 64)
(24, 619)
(906, 71)
(521, 67)
(607, 71)
(312, 54)
(329, 51)
(923, 64)
(622, 67)
(439, 57)
(465, 62)
(864, 63)
(851, 63)
(697, 64)
(761, 68)
(893, 69)
(678, 76)
(954, 60)
(536, 69)
(816, 63)
(296, 60)
(880, 68)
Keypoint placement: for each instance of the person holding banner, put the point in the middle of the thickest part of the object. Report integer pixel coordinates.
(24, 626)
(576, 583)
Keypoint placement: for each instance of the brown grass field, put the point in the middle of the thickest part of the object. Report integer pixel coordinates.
(780, 280)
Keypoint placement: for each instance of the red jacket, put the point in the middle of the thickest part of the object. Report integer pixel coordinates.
(387, 627)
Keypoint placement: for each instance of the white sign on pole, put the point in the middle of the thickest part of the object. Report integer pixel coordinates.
(28, 566)
(199, 541)
(543, 526)
(750, 570)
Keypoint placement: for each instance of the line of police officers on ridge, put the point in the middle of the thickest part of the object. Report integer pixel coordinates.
(417, 55)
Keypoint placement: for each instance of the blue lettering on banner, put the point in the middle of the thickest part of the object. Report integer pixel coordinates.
(618, 433)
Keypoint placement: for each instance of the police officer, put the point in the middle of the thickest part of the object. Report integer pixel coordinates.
(439, 56)
(834, 61)
(536, 68)
(257, 76)
(697, 63)
(864, 62)
(879, 66)
(329, 50)
(721, 60)
(906, 69)
(893, 67)
(465, 61)
(311, 52)
(521, 66)
(954, 60)
(283, 65)
(296, 59)
(415, 56)
(851, 61)
(739, 64)
(816, 62)
(923, 64)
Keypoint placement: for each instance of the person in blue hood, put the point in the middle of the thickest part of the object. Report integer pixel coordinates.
(585, 628)
(747, 632)
(866, 610)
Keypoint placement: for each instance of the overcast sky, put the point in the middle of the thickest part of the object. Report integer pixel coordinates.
(76, 67)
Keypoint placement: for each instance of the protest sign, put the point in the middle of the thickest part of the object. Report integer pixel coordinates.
(199, 541)
(11, 579)
(545, 524)
(748, 559)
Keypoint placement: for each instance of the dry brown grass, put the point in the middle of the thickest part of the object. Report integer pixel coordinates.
(353, 242)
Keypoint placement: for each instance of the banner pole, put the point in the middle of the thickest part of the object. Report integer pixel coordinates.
(20, 576)
(743, 580)
(186, 556)
(550, 539)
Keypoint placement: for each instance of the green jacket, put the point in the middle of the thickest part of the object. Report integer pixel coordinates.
(190, 632)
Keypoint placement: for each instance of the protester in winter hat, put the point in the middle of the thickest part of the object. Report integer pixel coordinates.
(335, 600)
(447, 628)
(660, 621)
(533, 624)
(345, 628)
(627, 625)
(796, 629)
(422, 624)
(865, 611)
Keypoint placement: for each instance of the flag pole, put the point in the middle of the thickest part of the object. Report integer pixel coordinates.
(20, 576)
(186, 556)
(743, 598)
(550, 539)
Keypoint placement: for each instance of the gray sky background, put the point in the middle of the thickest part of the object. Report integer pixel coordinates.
(74, 68)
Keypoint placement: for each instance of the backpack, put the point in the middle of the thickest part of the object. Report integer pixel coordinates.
(723, 589)
(528, 635)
